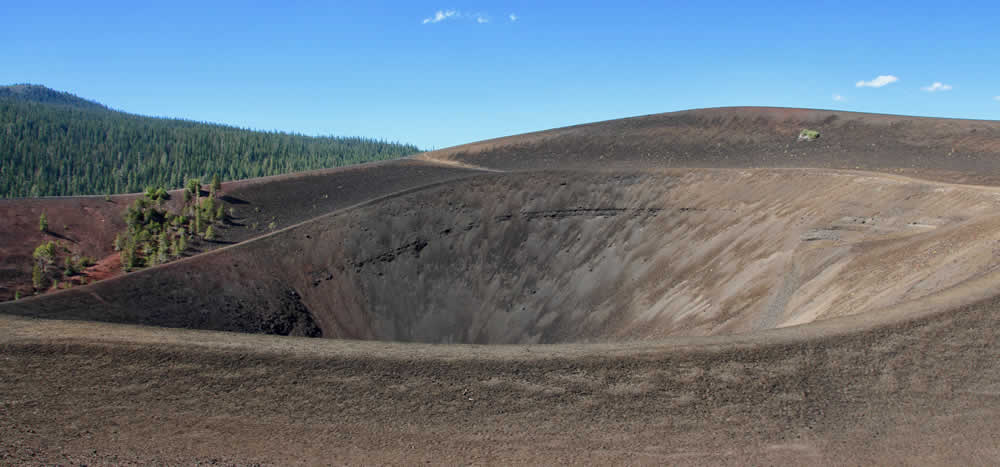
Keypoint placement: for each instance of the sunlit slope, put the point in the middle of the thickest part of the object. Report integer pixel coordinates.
(944, 149)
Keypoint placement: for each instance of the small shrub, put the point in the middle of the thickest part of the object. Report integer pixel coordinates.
(43, 223)
(808, 135)
(17, 295)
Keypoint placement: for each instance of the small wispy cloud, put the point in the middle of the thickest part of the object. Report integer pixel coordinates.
(512, 17)
(838, 98)
(877, 82)
(440, 16)
(937, 86)
(997, 98)
(482, 19)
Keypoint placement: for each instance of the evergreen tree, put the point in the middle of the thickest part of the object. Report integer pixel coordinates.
(161, 249)
(69, 267)
(37, 276)
(43, 223)
(55, 147)
(128, 257)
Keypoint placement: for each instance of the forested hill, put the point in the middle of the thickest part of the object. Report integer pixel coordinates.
(57, 144)
(44, 95)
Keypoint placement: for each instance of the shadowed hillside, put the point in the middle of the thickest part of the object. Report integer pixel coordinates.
(88, 225)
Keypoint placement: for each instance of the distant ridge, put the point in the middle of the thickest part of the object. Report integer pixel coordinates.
(58, 144)
(43, 95)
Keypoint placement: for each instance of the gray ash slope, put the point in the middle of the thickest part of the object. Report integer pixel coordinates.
(632, 229)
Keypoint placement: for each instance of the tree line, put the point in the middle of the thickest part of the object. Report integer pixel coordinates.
(59, 150)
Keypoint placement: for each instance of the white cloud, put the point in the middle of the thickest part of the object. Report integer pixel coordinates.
(878, 82)
(997, 98)
(937, 86)
(512, 17)
(482, 19)
(440, 16)
(838, 98)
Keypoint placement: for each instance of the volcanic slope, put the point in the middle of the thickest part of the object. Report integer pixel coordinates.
(721, 292)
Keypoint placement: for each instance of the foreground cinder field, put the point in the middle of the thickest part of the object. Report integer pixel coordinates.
(688, 288)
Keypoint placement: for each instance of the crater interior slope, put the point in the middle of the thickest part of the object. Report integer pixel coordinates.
(712, 290)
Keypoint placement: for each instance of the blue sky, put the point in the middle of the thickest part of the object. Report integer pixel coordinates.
(438, 74)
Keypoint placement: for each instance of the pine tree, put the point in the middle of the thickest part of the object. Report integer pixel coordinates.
(37, 276)
(69, 267)
(161, 250)
(128, 257)
(43, 223)
(102, 151)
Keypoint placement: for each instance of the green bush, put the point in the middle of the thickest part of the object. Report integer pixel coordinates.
(808, 135)
(45, 253)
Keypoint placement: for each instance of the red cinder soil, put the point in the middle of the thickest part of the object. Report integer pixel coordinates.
(85, 225)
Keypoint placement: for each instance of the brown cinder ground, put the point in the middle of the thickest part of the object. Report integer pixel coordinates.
(687, 288)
